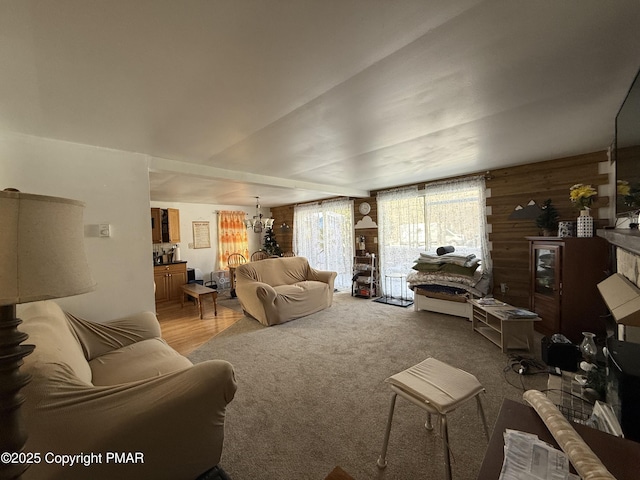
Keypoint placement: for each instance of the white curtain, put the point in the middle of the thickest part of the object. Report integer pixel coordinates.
(446, 213)
(401, 231)
(456, 215)
(323, 233)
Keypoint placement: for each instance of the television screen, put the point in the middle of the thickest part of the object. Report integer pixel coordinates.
(627, 152)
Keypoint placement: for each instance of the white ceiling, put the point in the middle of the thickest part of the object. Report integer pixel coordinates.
(298, 100)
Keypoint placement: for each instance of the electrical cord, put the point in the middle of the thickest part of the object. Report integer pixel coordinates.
(523, 366)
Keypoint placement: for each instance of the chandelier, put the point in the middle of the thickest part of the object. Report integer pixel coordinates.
(257, 223)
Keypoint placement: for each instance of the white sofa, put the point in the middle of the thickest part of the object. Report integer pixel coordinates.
(119, 388)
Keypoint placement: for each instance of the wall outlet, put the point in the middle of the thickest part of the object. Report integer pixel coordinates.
(504, 288)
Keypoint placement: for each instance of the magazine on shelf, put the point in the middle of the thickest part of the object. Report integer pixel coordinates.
(489, 302)
(509, 313)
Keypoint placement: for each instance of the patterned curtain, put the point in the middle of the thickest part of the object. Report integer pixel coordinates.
(323, 234)
(232, 236)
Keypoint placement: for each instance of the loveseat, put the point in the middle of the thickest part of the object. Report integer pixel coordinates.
(101, 390)
(277, 290)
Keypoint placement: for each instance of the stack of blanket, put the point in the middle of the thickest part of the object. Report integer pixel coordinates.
(448, 274)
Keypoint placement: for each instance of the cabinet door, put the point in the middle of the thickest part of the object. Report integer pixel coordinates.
(176, 280)
(174, 225)
(546, 285)
(162, 285)
(156, 225)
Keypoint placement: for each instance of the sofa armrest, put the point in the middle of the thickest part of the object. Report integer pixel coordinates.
(322, 276)
(176, 421)
(99, 338)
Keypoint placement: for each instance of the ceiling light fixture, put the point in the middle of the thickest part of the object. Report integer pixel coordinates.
(257, 223)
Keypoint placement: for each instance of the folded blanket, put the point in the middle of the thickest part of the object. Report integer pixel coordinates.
(456, 259)
(447, 268)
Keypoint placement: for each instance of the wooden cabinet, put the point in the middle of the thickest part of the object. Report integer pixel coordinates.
(165, 225)
(365, 277)
(156, 225)
(168, 279)
(564, 274)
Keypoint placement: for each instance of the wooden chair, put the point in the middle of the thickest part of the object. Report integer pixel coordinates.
(288, 254)
(234, 260)
(259, 255)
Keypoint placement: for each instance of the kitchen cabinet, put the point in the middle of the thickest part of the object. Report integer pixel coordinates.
(563, 290)
(168, 279)
(165, 225)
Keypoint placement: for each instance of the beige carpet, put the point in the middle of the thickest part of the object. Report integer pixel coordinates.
(311, 393)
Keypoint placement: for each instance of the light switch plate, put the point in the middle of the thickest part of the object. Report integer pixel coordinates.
(104, 230)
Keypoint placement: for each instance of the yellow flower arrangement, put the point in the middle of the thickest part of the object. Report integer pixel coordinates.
(623, 188)
(582, 196)
(630, 193)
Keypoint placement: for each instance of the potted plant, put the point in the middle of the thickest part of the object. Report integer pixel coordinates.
(548, 219)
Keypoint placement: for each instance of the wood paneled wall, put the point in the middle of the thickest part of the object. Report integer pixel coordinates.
(283, 226)
(509, 187)
(517, 186)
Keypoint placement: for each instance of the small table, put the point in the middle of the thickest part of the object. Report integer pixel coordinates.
(196, 290)
(507, 333)
(403, 300)
(617, 454)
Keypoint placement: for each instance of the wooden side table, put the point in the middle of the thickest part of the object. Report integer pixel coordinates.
(619, 455)
(507, 333)
(195, 290)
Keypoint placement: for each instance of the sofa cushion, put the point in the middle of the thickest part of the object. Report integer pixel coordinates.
(47, 327)
(138, 361)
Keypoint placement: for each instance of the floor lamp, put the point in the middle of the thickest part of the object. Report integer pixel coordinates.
(41, 257)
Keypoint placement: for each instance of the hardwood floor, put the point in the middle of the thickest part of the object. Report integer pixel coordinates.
(183, 329)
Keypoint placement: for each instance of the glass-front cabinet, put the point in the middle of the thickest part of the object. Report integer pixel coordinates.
(546, 278)
(564, 274)
(547, 282)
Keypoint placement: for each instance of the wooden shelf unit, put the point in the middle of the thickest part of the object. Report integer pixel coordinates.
(514, 333)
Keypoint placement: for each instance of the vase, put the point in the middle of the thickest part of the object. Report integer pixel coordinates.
(585, 224)
(566, 229)
(588, 347)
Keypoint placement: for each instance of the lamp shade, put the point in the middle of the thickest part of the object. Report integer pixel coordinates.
(41, 248)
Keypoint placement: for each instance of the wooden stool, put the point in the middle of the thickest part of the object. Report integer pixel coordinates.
(196, 290)
(439, 389)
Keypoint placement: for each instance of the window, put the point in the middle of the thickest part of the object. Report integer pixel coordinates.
(401, 228)
(446, 213)
(323, 233)
(232, 237)
(455, 215)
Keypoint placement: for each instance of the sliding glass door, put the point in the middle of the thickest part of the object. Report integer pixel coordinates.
(446, 213)
(323, 233)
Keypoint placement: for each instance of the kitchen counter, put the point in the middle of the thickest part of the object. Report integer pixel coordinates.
(169, 263)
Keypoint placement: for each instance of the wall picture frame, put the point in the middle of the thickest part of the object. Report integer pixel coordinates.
(201, 235)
